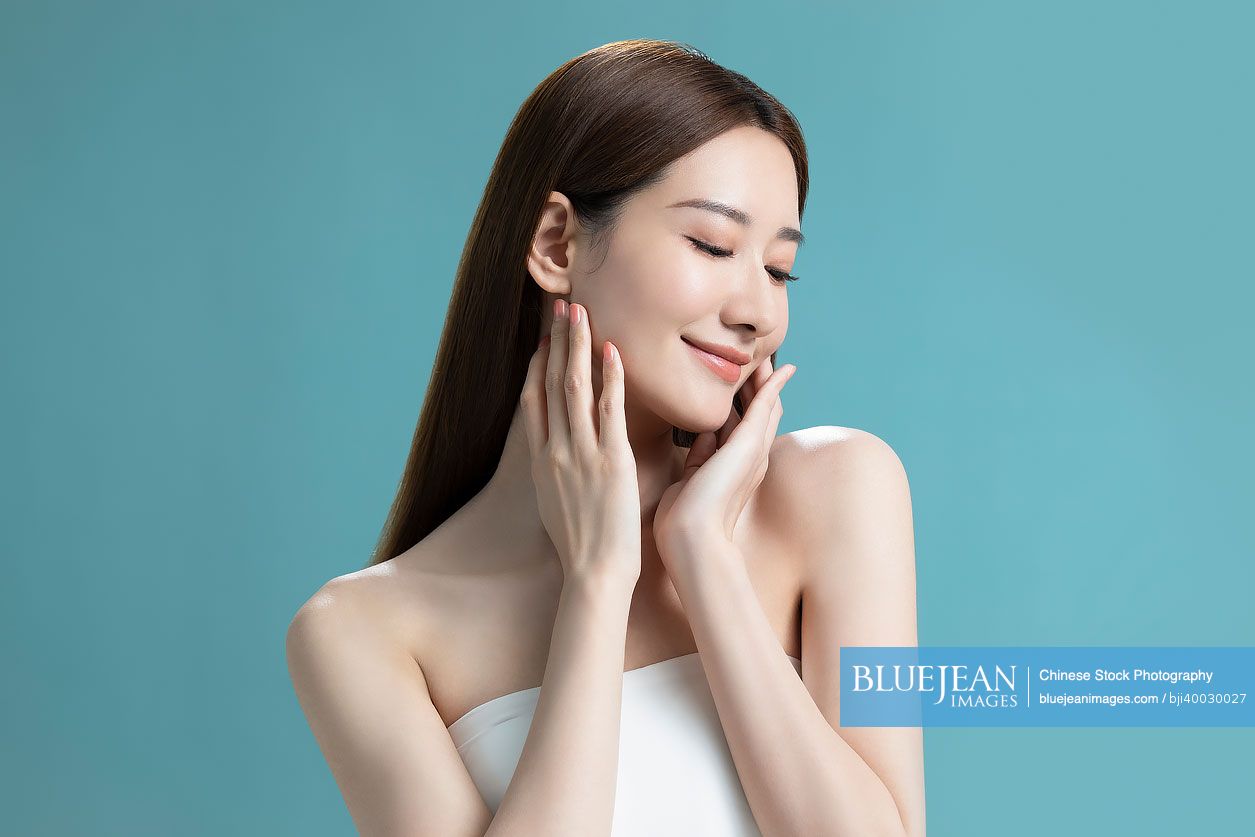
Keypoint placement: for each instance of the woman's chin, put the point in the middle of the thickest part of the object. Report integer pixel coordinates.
(691, 409)
(706, 421)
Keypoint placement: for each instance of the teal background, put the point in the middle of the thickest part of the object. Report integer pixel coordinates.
(229, 231)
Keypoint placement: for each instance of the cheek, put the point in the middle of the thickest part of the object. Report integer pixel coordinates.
(693, 293)
(644, 294)
(616, 314)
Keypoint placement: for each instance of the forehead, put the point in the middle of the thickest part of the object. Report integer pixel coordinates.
(745, 167)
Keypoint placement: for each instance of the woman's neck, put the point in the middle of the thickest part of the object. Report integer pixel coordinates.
(511, 494)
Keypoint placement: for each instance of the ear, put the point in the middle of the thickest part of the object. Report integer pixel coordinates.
(552, 251)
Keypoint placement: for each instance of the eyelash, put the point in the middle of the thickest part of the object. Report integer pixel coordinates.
(778, 275)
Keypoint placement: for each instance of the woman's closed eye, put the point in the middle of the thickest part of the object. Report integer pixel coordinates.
(777, 274)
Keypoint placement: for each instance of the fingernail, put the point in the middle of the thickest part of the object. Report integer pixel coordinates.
(562, 309)
(576, 314)
(605, 352)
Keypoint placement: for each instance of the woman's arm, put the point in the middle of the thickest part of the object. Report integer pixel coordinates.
(391, 755)
(566, 777)
(801, 773)
(368, 703)
(589, 502)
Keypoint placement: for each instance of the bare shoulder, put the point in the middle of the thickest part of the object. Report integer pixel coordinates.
(821, 478)
(344, 612)
(369, 707)
(384, 604)
(432, 606)
(827, 459)
(348, 596)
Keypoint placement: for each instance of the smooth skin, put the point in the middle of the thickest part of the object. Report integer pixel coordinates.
(563, 572)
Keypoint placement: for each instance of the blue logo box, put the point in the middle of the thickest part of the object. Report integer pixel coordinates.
(1047, 686)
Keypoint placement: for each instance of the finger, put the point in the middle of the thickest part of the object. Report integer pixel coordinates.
(768, 437)
(532, 399)
(763, 372)
(756, 379)
(613, 433)
(746, 394)
(702, 449)
(744, 446)
(579, 381)
(777, 411)
(760, 410)
(555, 376)
(729, 425)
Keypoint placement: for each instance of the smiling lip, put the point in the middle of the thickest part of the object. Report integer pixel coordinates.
(727, 364)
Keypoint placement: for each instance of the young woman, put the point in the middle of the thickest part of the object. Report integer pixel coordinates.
(608, 598)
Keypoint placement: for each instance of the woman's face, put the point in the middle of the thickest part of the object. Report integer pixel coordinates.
(657, 292)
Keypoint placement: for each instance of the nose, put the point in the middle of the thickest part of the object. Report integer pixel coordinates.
(756, 304)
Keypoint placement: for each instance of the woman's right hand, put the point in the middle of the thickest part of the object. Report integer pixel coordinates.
(585, 475)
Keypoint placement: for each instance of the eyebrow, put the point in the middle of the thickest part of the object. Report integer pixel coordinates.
(738, 215)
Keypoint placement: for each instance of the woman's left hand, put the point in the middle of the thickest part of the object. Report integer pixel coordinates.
(722, 470)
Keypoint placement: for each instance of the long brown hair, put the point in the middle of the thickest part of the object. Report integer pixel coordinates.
(600, 128)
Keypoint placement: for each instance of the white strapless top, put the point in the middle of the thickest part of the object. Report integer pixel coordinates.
(676, 775)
